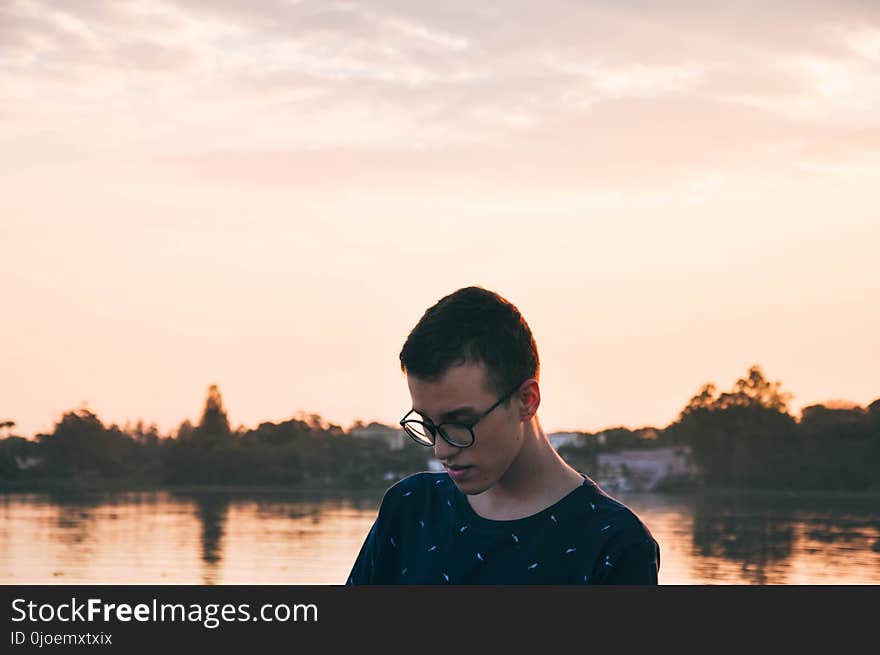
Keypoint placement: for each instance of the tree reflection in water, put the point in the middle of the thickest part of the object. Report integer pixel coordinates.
(212, 509)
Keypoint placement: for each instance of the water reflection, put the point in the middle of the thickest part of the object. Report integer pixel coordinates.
(210, 511)
(756, 538)
(785, 539)
(307, 538)
(76, 518)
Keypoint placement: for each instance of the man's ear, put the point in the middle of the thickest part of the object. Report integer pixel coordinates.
(528, 399)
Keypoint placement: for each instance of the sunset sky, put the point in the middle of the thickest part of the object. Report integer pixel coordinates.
(267, 195)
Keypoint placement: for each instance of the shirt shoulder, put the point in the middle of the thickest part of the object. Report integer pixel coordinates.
(415, 492)
(616, 521)
(422, 483)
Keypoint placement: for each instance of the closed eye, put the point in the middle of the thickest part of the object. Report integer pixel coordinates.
(454, 418)
(461, 420)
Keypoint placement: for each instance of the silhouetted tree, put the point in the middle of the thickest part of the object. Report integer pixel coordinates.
(81, 445)
(206, 453)
(741, 437)
(16, 452)
(837, 441)
(214, 425)
(185, 430)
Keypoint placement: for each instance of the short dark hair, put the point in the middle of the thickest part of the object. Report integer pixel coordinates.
(472, 325)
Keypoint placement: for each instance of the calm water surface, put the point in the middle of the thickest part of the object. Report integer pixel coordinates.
(308, 538)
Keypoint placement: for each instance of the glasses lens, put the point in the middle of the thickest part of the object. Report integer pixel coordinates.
(457, 435)
(419, 432)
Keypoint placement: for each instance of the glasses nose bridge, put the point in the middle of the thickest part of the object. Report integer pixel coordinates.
(440, 442)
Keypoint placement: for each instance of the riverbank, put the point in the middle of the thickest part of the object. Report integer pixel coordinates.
(788, 493)
(112, 486)
(59, 487)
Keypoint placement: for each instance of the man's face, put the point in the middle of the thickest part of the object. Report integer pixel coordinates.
(497, 437)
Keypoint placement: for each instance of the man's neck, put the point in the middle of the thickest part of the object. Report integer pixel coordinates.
(536, 479)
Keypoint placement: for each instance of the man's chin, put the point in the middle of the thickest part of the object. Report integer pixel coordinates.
(471, 487)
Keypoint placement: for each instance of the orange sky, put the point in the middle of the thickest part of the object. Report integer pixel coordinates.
(267, 196)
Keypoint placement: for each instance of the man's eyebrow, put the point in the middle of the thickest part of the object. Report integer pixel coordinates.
(466, 409)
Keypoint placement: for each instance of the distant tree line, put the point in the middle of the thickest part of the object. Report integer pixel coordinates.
(745, 437)
(304, 452)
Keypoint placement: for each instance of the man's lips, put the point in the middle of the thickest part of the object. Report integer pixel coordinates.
(456, 472)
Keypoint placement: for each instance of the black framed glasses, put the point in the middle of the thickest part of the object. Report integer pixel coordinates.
(460, 435)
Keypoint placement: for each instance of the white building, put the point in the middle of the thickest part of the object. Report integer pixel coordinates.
(393, 436)
(559, 439)
(642, 469)
(27, 462)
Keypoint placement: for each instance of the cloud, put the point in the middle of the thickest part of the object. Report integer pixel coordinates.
(600, 91)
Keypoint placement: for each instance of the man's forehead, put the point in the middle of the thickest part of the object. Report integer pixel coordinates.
(464, 410)
(456, 392)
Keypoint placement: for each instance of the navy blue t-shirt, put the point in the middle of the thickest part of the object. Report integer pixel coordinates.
(427, 533)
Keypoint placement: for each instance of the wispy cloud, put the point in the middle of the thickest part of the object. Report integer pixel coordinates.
(455, 72)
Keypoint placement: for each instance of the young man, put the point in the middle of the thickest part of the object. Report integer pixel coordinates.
(508, 509)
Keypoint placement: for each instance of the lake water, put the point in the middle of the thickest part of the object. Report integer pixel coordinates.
(307, 538)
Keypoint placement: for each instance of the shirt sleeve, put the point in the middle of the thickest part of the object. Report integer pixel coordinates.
(372, 563)
(363, 570)
(636, 563)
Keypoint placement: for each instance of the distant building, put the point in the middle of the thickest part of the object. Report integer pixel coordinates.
(559, 439)
(27, 462)
(393, 436)
(642, 469)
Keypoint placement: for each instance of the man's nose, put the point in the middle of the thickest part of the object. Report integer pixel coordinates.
(443, 450)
